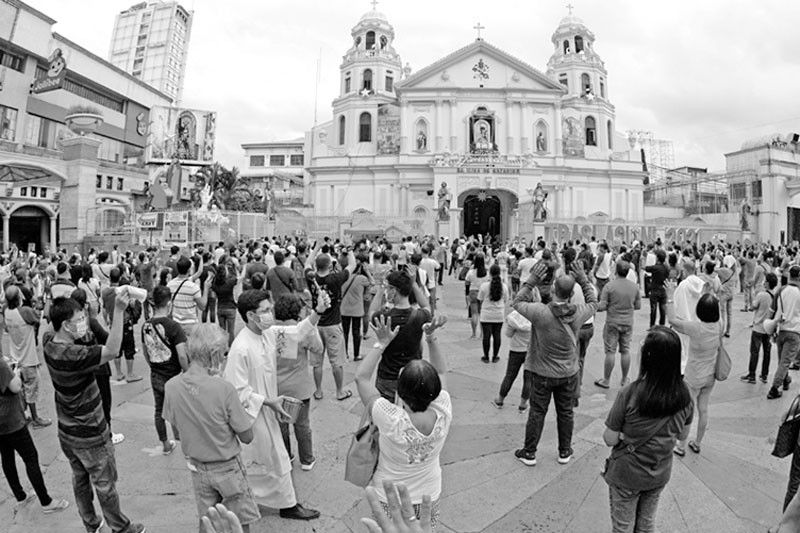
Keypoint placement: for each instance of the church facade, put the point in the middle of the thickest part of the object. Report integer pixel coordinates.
(478, 142)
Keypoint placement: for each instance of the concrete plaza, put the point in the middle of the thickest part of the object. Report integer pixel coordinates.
(734, 485)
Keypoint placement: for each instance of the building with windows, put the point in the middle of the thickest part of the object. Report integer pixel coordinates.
(151, 42)
(478, 142)
(276, 167)
(55, 187)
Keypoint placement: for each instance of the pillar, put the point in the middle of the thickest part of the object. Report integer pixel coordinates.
(559, 144)
(438, 126)
(405, 119)
(6, 229)
(509, 136)
(525, 128)
(453, 129)
(78, 192)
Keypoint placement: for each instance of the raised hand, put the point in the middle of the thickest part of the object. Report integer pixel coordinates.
(403, 519)
(382, 327)
(437, 322)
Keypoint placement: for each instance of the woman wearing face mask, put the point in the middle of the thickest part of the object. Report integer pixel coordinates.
(412, 429)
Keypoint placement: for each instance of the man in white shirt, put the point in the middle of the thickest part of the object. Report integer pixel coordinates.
(650, 260)
(429, 266)
(526, 264)
(787, 312)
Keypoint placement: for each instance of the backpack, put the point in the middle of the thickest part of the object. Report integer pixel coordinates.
(157, 348)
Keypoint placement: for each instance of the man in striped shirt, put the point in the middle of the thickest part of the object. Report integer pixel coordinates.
(82, 429)
(187, 298)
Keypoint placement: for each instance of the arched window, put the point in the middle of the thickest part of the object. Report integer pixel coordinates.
(566, 46)
(370, 41)
(602, 88)
(540, 136)
(586, 83)
(367, 80)
(610, 133)
(578, 44)
(341, 130)
(365, 128)
(591, 131)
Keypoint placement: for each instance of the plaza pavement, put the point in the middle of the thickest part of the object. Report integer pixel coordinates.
(734, 485)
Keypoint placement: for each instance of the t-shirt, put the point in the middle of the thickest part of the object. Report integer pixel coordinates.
(353, 295)
(408, 456)
(208, 414)
(332, 284)
(430, 266)
(144, 273)
(650, 465)
(22, 333)
(474, 281)
(81, 423)
(762, 309)
(525, 266)
(280, 281)
(293, 377)
(406, 346)
(492, 311)
(12, 410)
(660, 274)
(160, 336)
(62, 288)
(184, 307)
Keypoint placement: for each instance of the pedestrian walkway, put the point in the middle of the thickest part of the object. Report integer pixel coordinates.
(734, 485)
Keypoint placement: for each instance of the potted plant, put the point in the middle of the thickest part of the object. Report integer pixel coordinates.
(83, 119)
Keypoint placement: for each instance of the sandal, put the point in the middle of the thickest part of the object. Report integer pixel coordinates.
(601, 383)
(172, 446)
(318, 395)
(694, 446)
(680, 452)
(347, 394)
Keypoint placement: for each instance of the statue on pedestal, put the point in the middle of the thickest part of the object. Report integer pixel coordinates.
(444, 197)
(539, 200)
(744, 213)
(541, 143)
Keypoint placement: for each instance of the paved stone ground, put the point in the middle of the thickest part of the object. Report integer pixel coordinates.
(733, 486)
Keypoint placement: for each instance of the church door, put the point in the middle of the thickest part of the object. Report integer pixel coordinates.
(482, 215)
(793, 224)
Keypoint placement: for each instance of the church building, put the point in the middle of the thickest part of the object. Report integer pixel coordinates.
(478, 142)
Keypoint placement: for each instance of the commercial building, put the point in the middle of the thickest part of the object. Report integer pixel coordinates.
(151, 42)
(276, 168)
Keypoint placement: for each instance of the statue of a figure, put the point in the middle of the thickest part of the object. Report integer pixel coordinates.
(744, 213)
(269, 201)
(205, 197)
(541, 143)
(422, 141)
(539, 199)
(445, 198)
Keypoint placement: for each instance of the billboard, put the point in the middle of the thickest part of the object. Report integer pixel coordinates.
(53, 77)
(176, 228)
(185, 134)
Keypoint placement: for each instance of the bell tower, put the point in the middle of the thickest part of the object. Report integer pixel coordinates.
(368, 74)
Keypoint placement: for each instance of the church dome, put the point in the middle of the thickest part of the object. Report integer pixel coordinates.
(374, 15)
(570, 21)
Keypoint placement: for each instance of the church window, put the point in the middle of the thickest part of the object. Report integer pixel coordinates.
(370, 41)
(367, 80)
(389, 84)
(602, 88)
(341, 130)
(610, 133)
(347, 84)
(578, 44)
(566, 46)
(562, 79)
(365, 128)
(586, 83)
(591, 131)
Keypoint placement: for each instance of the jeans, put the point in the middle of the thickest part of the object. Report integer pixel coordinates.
(491, 335)
(95, 468)
(440, 272)
(788, 346)
(227, 320)
(585, 335)
(759, 340)
(648, 286)
(726, 311)
(633, 511)
(157, 382)
(356, 322)
(21, 442)
(210, 312)
(600, 283)
(302, 433)
(515, 362)
(658, 301)
(563, 392)
(104, 384)
(224, 482)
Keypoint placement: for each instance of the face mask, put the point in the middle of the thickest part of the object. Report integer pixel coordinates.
(265, 320)
(80, 329)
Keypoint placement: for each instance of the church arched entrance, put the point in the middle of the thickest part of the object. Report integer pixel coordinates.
(487, 212)
(29, 228)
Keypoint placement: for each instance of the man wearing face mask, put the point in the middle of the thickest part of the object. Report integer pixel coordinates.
(252, 370)
(82, 429)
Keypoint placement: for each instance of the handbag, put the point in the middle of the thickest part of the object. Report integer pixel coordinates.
(786, 441)
(462, 275)
(362, 457)
(722, 368)
(619, 451)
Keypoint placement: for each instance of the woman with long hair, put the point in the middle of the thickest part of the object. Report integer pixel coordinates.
(352, 304)
(705, 338)
(476, 276)
(647, 418)
(493, 297)
(92, 289)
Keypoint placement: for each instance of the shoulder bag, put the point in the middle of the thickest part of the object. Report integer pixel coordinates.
(362, 457)
(172, 300)
(722, 368)
(786, 441)
(631, 447)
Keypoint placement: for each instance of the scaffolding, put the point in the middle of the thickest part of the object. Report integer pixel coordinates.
(659, 154)
(706, 192)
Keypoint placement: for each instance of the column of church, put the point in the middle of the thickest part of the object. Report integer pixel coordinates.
(559, 147)
(525, 127)
(453, 125)
(509, 138)
(438, 126)
(572, 201)
(405, 125)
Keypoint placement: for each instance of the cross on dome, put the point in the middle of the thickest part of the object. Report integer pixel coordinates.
(374, 4)
(570, 6)
(479, 28)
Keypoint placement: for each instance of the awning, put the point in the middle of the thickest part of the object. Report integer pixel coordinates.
(28, 174)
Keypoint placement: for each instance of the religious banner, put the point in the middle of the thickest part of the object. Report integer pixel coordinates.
(388, 135)
(176, 228)
(187, 135)
(574, 141)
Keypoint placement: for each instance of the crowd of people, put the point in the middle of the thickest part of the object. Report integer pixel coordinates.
(300, 302)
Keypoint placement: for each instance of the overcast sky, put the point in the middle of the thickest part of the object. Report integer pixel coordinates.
(706, 74)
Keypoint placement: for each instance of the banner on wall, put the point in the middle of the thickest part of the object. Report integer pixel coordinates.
(176, 228)
(616, 234)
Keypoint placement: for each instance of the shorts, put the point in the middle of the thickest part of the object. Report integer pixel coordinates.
(128, 346)
(333, 341)
(224, 482)
(30, 382)
(617, 335)
(473, 297)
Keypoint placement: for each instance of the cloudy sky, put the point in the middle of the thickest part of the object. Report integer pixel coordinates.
(705, 74)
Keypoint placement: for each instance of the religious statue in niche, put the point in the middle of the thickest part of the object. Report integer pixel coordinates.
(422, 141)
(384, 41)
(483, 135)
(539, 203)
(541, 142)
(744, 214)
(445, 197)
(186, 131)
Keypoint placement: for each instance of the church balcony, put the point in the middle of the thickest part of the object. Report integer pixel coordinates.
(356, 55)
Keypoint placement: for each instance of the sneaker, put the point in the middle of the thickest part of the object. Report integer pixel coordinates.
(100, 527)
(309, 466)
(497, 404)
(133, 379)
(523, 407)
(137, 528)
(774, 393)
(763, 379)
(298, 512)
(564, 457)
(748, 378)
(40, 423)
(55, 506)
(117, 438)
(495, 359)
(485, 359)
(786, 381)
(526, 458)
